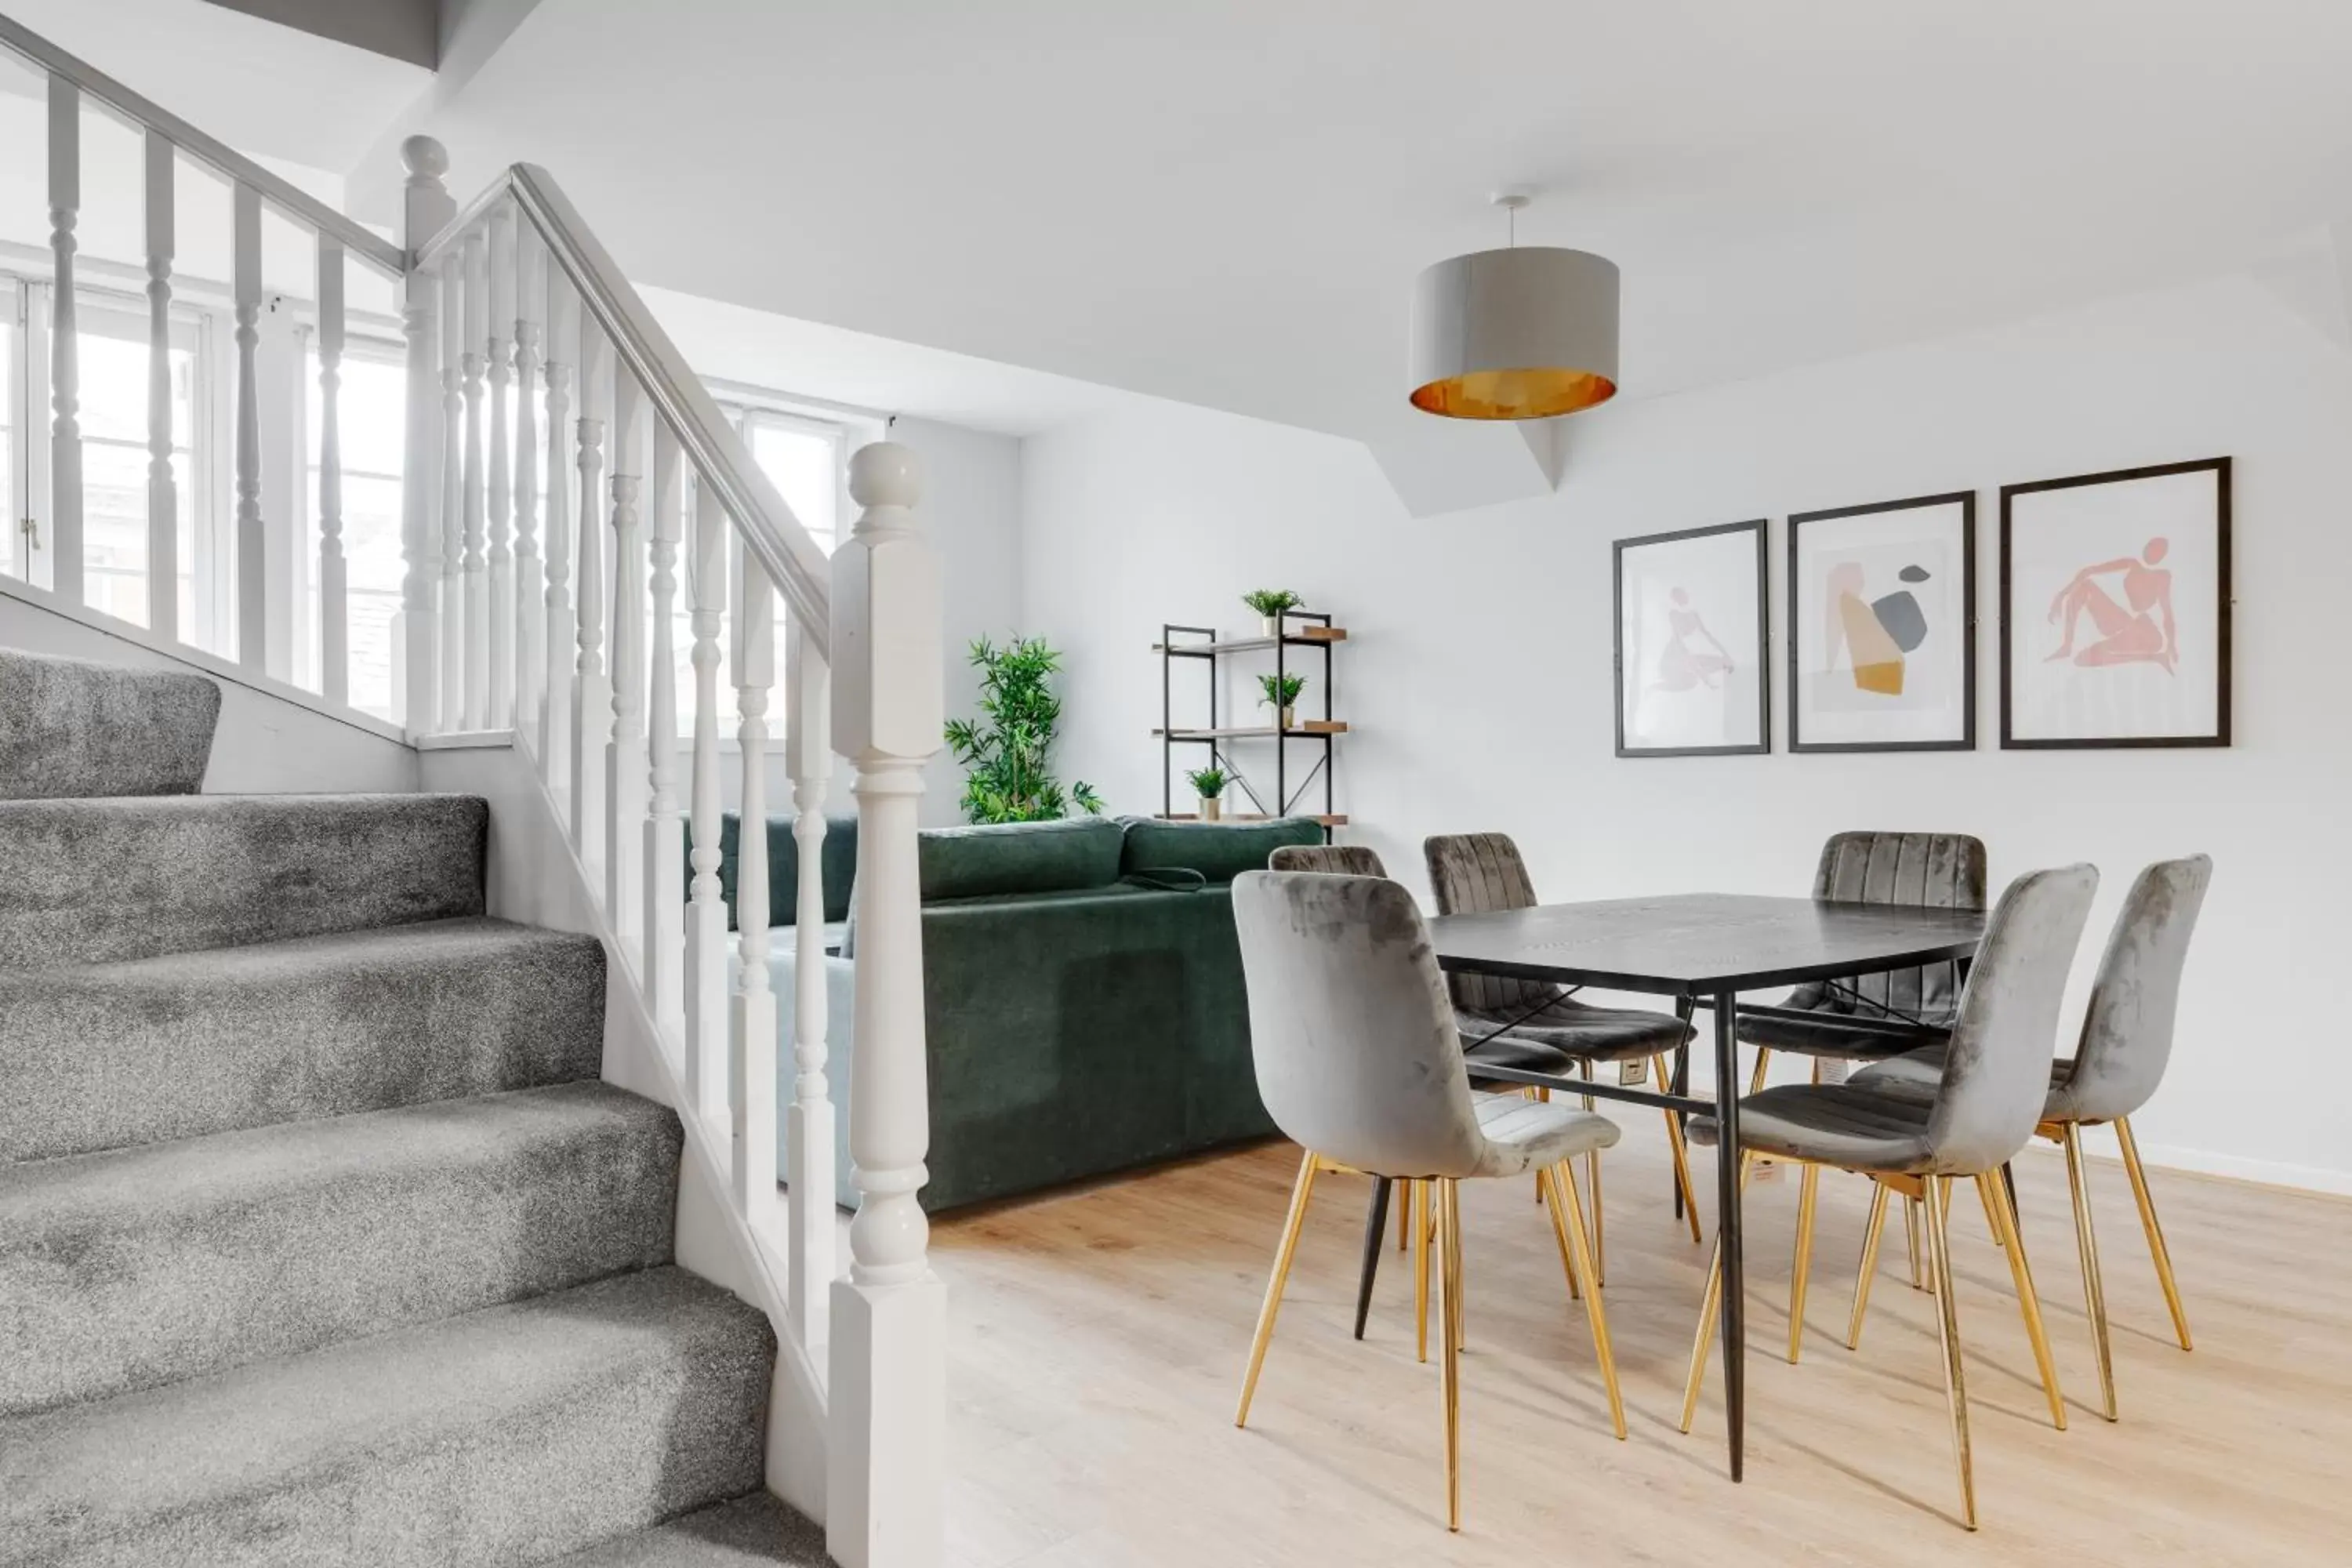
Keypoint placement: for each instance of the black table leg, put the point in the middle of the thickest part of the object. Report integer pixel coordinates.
(1679, 1083)
(1727, 1187)
(1376, 1231)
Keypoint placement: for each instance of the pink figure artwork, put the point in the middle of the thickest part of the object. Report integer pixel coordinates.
(2139, 630)
(1683, 667)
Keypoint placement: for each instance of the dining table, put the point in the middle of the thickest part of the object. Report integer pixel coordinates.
(1702, 950)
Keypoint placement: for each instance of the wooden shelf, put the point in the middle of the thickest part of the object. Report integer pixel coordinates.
(1340, 820)
(1311, 729)
(1316, 637)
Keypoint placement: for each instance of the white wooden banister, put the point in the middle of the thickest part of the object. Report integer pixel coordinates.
(451, 467)
(663, 967)
(496, 349)
(591, 698)
(476, 653)
(163, 486)
(555, 701)
(334, 607)
(752, 1020)
(253, 607)
(425, 206)
(64, 342)
(528, 592)
(624, 767)
(808, 1124)
(706, 915)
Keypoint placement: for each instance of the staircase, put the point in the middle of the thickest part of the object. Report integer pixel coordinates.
(320, 1240)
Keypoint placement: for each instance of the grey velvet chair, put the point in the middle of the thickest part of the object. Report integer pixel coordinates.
(1358, 1061)
(1986, 1103)
(2118, 1064)
(1472, 873)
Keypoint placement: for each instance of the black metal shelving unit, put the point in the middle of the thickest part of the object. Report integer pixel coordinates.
(1309, 629)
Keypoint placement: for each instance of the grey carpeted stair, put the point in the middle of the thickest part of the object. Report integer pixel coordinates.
(508, 1435)
(139, 1265)
(321, 1241)
(105, 1054)
(89, 881)
(744, 1533)
(70, 727)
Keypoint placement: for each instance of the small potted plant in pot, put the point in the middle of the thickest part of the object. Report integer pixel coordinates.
(1209, 783)
(1269, 604)
(1282, 696)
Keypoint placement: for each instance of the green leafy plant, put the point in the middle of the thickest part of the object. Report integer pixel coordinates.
(1271, 601)
(1281, 691)
(1207, 782)
(1005, 750)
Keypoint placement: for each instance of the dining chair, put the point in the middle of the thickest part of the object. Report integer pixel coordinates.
(2118, 1064)
(1987, 1101)
(1359, 1062)
(1475, 873)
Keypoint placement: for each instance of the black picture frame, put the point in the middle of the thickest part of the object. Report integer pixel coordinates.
(1760, 527)
(1967, 501)
(2221, 468)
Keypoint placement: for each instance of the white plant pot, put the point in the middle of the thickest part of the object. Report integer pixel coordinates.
(1270, 625)
(1212, 808)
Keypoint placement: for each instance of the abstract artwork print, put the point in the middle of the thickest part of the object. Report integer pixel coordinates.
(1690, 642)
(1882, 610)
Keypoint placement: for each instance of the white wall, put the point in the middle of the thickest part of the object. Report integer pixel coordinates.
(1479, 681)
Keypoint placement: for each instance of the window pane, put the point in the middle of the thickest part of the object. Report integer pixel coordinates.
(113, 415)
(369, 426)
(806, 466)
(9, 515)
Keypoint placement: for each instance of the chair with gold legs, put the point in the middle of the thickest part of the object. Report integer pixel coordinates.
(2125, 1042)
(1359, 1062)
(1982, 1113)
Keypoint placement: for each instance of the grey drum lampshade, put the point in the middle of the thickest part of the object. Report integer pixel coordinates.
(1522, 334)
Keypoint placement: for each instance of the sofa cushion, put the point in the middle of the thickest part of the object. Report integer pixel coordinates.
(1219, 851)
(1019, 857)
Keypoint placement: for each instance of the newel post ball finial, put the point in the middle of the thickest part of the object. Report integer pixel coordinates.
(424, 158)
(884, 473)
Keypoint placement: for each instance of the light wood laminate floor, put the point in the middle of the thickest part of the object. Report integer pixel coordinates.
(1097, 1339)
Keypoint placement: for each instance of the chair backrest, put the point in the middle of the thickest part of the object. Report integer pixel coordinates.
(1475, 873)
(1350, 1027)
(1926, 870)
(2127, 1028)
(1997, 1070)
(1330, 859)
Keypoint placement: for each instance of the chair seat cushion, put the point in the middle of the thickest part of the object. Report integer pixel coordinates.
(1573, 1029)
(1918, 1074)
(1830, 1034)
(1837, 1124)
(1512, 1051)
(1524, 1134)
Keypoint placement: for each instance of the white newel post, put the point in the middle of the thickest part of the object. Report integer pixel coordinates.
(808, 1124)
(425, 206)
(664, 830)
(706, 915)
(751, 1016)
(887, 1389)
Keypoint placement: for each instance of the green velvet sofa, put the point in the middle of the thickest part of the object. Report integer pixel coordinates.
(1083, 1000)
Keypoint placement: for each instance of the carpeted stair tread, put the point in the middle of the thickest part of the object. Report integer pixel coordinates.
(104, 1056)
(508, 1435)
(93, 881)
(743, 1534)
(136, 1267)
(71, 727)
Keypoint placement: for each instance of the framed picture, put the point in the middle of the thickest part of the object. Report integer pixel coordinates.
(1882, 626)
(2115, 608)
(1690, 644)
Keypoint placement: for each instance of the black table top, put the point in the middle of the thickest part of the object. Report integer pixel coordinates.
(1700, 944)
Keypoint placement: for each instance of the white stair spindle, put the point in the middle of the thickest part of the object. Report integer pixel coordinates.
(625, 772)
(162, 488)
(450, 516)
(497, 350)
(706, 914)
(751, 1014)
(476, 590)
(808, 1125)
(425, 208)
(252, 609)
(664, 829)
(592, 697)
(529, 592)
(334, 609)
(884, 1473)
(555, 700)
(65, 343)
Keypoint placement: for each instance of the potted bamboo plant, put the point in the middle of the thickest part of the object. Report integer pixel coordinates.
(1282, 696)
(1209, 783)
(1269, 604)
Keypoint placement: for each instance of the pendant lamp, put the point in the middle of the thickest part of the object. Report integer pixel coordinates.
(1524, 332)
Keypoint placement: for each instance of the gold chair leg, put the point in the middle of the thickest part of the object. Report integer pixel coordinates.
(1600, 1239)
(1756, 1078)
(1572, 1227)
(2156, 1248)
(1911, 1242)
(1948, 1333)
(1421, 1206)
(1709, 1309)
(1681, 1153)
(2006, 1230)
(1450, 1381)
(1291, 1227)
(1454, 1248)
(1871, 1231)
(2086, 1242)
(1807, 1190)
(1404, 1218)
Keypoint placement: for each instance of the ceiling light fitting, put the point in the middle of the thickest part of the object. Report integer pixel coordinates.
(1516, 333)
